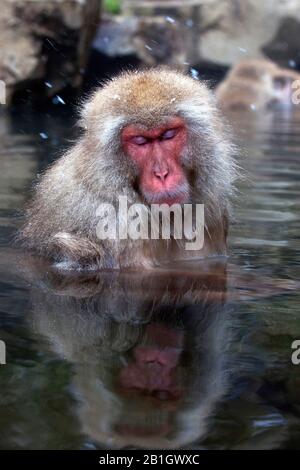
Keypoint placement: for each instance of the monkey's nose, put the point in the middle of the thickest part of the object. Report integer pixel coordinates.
(161, 174)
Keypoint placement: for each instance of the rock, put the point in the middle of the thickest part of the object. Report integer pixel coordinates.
(284, 46)
(115, 34)
(249, 29)
(45, 42)
(196, 32)
(155, 39)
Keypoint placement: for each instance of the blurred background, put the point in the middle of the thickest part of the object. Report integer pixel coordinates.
(51, 48)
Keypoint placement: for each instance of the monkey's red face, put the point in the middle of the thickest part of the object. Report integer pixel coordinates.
(157, 153)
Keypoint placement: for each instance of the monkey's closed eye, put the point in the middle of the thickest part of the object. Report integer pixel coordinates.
(169, 134)
(139, 140)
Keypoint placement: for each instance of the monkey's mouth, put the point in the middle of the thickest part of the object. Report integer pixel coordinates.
(178, 195)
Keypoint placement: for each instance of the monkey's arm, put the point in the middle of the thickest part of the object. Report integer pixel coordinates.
(74, 250)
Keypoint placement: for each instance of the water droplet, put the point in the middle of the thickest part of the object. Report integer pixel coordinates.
(242, 49)
(194, 73)
(58, 100)
(171, 20)
(43, 135)
(48, 84)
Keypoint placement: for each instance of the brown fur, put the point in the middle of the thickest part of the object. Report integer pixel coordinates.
(256, 84)
(61, 220)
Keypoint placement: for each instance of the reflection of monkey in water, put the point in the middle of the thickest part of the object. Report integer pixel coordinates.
(256, 84)
(148, 352)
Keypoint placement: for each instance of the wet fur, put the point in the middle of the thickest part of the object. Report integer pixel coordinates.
(255, 84)
(61, 219)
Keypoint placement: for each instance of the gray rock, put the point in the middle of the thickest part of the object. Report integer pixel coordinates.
(45, 41)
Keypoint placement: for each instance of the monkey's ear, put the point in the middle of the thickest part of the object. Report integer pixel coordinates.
(85, 113)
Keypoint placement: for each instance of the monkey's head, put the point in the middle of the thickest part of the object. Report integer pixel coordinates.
(161, 130)
(254, 69)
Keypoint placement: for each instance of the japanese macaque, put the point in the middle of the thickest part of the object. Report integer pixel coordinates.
(256, 84)
(154, 137)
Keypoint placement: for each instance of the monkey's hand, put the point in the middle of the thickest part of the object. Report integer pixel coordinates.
(73, 251)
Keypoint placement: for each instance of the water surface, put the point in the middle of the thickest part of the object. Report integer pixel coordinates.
(199, 358)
